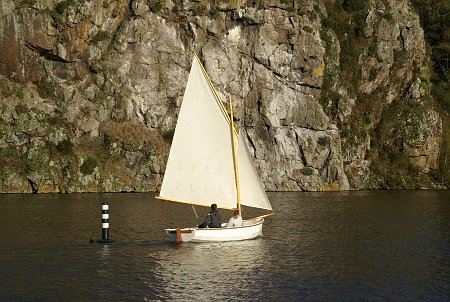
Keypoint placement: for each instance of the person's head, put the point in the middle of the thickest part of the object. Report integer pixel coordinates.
(213, 207)
(236, 213)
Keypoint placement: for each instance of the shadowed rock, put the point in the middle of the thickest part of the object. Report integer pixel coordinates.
(46, 53)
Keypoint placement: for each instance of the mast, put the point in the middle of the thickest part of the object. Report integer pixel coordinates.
(235, 160)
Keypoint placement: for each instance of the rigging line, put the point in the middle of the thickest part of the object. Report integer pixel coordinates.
(218, 99)
(212, 86)
(195, 212)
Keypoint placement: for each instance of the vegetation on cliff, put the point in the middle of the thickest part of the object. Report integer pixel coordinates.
(331, 95)
(435, 19)
(372, 115)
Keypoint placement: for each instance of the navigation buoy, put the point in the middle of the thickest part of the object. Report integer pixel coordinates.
(105, 225)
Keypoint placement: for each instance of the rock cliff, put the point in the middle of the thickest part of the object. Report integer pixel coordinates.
(331, 95)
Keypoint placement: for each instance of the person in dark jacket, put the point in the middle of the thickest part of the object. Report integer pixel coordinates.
(213, 219)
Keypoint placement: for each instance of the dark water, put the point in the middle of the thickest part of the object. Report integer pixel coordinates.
(350, 246)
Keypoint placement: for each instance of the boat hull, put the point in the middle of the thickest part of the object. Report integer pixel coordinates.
(251, 229)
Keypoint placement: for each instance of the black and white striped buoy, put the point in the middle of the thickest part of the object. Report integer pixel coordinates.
(105, 224)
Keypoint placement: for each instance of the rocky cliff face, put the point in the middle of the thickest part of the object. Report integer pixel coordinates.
(331, 95)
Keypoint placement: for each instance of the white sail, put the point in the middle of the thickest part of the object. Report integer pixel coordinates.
(200, 169)
(252, 191)
(200, 165)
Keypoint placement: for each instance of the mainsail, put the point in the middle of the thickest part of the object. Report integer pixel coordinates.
(200, 165)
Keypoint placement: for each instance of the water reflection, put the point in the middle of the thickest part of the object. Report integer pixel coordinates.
(224, 270)
(105, 252)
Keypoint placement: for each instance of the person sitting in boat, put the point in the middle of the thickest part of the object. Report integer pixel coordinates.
(235, 221)
(213, 219)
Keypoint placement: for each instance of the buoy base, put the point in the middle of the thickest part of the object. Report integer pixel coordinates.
(105, 241)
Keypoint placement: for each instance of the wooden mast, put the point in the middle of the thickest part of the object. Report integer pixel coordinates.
(235, 161)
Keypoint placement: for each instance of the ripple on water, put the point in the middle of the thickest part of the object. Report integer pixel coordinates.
(348, 246)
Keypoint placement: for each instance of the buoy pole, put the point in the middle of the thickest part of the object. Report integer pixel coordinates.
(105, 224)
(105, 221)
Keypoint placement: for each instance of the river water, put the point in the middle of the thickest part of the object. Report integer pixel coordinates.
(346, 246)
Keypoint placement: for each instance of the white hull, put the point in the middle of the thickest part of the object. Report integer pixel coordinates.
(251, 229)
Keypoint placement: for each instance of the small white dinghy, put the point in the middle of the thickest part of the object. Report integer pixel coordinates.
(250, 229)
(210, 163)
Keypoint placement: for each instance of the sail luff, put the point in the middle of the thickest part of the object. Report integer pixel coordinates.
(220, 102)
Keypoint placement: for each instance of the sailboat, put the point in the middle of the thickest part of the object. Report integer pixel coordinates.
(209, 163)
